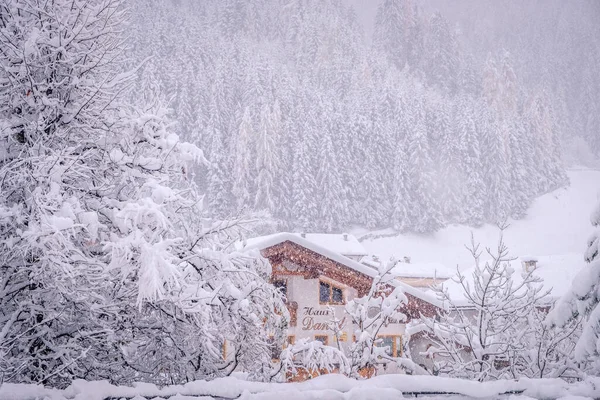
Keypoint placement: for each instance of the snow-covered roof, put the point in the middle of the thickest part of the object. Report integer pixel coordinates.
(343, 243)
(424, 270)
(272, 240)
(557, 272)
(413, 270)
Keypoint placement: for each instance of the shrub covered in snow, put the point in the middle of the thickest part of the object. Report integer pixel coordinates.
(497, 332)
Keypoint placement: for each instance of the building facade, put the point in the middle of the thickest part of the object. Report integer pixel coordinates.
(318, 282)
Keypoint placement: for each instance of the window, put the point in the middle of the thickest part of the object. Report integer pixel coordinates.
(329, 294)
(324, 292)
(393, 343)
(323, 339)
(281, 286)
(337, 296)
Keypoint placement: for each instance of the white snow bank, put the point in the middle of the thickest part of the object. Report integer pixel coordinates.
(324, 387)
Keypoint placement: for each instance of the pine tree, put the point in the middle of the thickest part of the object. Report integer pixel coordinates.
(242, 161)
(495, 166)
(519, 176)
(471, 165)
(329, 186)
(218, 179)
(449, 162)
(304, 206)
(398, 33)
(267, 159)
(401, 200)
(441, 55)
(427, 217)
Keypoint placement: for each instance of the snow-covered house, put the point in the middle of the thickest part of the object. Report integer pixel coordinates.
(318, 280)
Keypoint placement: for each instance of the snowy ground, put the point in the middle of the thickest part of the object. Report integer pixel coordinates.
(557, 223)
(329, 387)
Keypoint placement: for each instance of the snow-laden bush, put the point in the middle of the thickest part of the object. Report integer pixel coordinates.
(311, 357)
(497, 332)
(369, 314)
(582, 301)
(109, 266)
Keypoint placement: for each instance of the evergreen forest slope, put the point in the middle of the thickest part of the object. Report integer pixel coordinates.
(303, 117)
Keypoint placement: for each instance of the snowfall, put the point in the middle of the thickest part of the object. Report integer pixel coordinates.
(555, 232)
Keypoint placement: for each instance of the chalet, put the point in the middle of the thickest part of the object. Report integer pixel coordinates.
(319, 274)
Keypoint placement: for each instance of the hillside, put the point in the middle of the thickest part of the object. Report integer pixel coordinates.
(556, 223)
(301, 119)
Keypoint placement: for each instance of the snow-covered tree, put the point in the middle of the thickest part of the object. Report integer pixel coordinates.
(369, 314)
(441, 54)
(398, 32)
(494, 163)
(582, 301)
(267, 158)
(110, 268)
(401, 196)
(549, 349)
(242, 161)
(330, 187)
(471, 163)
(427, 216)
(484, 335)
(218, 179)
(311, 357)
(304, 205)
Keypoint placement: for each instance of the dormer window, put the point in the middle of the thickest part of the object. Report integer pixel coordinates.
(330, 294)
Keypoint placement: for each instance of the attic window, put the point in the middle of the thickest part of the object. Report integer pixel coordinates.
(330, 294)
